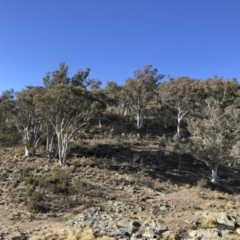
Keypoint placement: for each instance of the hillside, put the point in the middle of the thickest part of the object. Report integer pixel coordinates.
(161, 192)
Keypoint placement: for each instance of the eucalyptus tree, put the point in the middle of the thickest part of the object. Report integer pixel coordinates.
(138, 91)
(179, 94)
(66, 106)
(98, 105)
(27, 119)
(59, 76)
(67, 112)
(8, 132)
(217, 125)
(112, 96)
(6, 104)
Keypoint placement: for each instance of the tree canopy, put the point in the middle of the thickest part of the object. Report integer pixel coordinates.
(206, 112)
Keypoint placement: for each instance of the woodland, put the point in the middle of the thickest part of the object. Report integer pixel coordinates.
(201, 115)
(168, 147)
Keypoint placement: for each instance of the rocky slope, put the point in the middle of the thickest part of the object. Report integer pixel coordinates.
(115, 199)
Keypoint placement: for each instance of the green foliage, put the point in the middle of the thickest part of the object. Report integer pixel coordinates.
(81, 188)
(67, 106)
(35, 201)
(9, 136)
(56, 183)
(29, 180)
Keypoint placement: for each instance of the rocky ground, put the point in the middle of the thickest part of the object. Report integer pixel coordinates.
(126, 195)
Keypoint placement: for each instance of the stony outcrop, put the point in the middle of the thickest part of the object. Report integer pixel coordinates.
(222, 218)
(105, 224)
(119, 227)
(209, 234)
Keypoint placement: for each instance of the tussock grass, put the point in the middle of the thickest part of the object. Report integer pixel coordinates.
(218, 195)
(209, 222)
(41, 150)
(201, 184)
(19, 151)
(233, 237)
(169, 236)
(230, 205)
(81, 234)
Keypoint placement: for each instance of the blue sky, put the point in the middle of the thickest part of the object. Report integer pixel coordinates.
(196, 38)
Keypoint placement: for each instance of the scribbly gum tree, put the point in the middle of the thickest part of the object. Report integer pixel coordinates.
(67, 114)
(180, 95)
(27, 119)
(138, 91)
(215, 129)
(65, 107)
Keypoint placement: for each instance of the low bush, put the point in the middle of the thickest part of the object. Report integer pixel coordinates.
(35, 202)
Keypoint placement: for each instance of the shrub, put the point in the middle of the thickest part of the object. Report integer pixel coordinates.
(29, 180)
(56, 183)
(35, 202)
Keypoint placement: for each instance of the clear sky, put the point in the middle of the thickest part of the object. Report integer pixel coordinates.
(195, 38)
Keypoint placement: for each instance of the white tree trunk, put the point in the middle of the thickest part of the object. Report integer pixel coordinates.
(126, 109)
(64, 158)
(180, 117)
(99, 121)
(27, 152)
(63, 146)
(51, 145)
(179, 127)
(30, 140)
(140, 117)
(214, 168)
(65, 131)
(59, 148)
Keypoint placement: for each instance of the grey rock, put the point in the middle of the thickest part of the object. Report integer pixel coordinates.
(141, 208)
(118, 226)
(154, 228)
(164, 208)
(119, 207)
(105, 224)
(209, 234)
(221, 218)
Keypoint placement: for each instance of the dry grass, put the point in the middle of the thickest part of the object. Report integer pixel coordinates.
(238, 221)
(169, 236)
(19, 151)
(88, 182)
(233, 237)
(200, 186)
(218, 195)
(209, 222)
(230, 205)
(41, 150)
(226, 195)
(81, 234)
